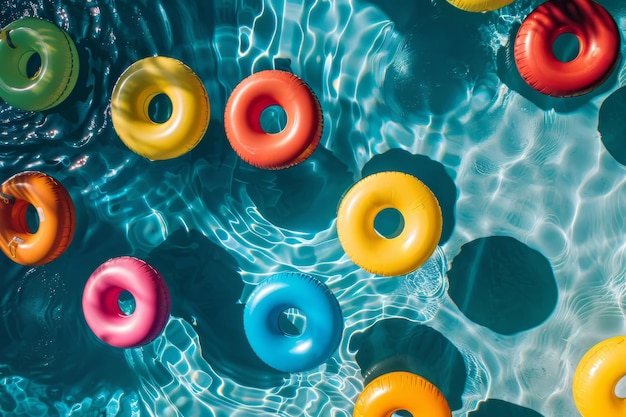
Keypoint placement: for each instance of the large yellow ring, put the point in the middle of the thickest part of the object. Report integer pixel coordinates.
(596, 377)
(132, 94)
(412, 246)
(397, 391)
(480, 5)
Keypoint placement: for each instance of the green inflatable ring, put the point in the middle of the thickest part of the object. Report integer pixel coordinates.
(56, 77)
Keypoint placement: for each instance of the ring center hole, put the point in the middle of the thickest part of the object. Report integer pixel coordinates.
(32, 219)
(126, 303)
(402, 413)
(620, 388)
(566, 47)
(292, 322)
(33, 65)
(29, 64)
(273, 119)
(160, 108)
(389, 223)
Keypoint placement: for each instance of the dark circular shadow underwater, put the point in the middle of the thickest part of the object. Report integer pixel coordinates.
(302, 198)
(611, 125)
(500, 283)
(499, 408)
(43, 334)
(398, 344)
(205, 288)
(440, 56)
(43, 331)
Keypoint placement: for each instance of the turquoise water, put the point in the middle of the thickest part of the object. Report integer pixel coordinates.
(527, 277)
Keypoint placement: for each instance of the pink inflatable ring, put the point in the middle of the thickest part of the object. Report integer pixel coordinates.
(101, 302)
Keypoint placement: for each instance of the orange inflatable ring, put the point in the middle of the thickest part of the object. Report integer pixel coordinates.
(397, 391)
(57, 219)
(295, 142)
(596, 377)
(599, 44)
(412, 246)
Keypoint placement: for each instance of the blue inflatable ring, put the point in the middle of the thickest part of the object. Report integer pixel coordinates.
(321, 334)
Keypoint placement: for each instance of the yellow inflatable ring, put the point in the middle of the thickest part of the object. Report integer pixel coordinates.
(596, 377)
(412, 246)
(133, 93)
(397, 391)
(479, 5)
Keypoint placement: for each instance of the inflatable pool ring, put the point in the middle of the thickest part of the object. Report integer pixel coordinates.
(599, 45)
(56, 215)
(322, 331)
(480, 5)
(301, 135)
(51, 83)
(132, 95)
(414, 244)
(596, 377)
(101, 302)
(397, 391)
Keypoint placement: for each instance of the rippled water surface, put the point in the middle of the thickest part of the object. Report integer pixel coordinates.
(527, 277)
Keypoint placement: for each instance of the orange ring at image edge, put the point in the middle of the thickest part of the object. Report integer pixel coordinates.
(417, 240)
(397, 391)
(599, 41)
(57, 218)
(596, 377)
(295, 142)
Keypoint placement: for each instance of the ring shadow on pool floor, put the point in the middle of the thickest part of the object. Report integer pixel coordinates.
(44, 335)
(205, 288)
(499, 408)
(500, 283)
(397, 344)
(439, 58)
(302, 198)
(611, 124)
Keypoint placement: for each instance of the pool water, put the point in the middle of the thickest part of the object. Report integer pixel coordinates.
(528, 274)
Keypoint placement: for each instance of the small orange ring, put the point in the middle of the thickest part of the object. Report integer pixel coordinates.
(397, 391)
(295, 142)
(57, 218)
(599, 41)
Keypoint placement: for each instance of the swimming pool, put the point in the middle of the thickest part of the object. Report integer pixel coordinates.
(528, 274)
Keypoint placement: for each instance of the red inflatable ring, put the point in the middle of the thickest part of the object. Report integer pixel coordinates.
(295, 142)
(599, 44)
(101, 302)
